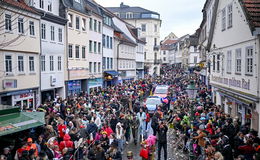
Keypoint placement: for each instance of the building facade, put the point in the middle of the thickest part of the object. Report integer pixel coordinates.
(95, 81)
(110, 75)
(53, 44)
(125, 50)
(19, 51)
(149, 22)
(235, 60)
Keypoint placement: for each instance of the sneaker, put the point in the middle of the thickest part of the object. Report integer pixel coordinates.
(126, 142)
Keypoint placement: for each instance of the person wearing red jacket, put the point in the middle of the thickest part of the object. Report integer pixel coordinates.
(66, 143)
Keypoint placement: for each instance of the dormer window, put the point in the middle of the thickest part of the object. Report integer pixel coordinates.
(129, 15)
(42, 4)
(117, 14)
(49, 5)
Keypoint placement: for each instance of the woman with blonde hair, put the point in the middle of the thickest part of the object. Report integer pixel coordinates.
(218, 156)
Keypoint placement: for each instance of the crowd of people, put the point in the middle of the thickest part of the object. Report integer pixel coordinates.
(98, 125)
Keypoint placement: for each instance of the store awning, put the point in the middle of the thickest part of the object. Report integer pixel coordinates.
(112, 73)
(19, 121)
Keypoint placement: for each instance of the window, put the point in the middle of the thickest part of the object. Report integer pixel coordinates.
(99, 27)
(195, 59)
(59, 63)
(77, 51)
(20, 25)
(43, 31)
(95, 25)
(42, 4)
(107, 41)
(20, 64)
(90, 23)
(83, 25)
(31, 27)
(218, 63)
(8, 22)
(111, 43)
(155, 28)
(238, 61)
(52, 33)
(129, 15)
(42, 63)
(90, 67)
(51, 63)
(90, 46)
(111, 63)
(104, 62)
(70, 20)
(223, 19)
(249, 60)
(99, 67)
(95, 47)
(50, 6)
(164, 52)
(117, 14)
(77, 22)
(70, 51)
(8, 64)
(83, 52)
(104, 40)
(31, 64)
(155, 41)
(60, 35)
(230, 15)
(95, 67)
(99, 47)
(143, 27)
(229, 61)
(214, 63)
(164, 58)
(107, 62)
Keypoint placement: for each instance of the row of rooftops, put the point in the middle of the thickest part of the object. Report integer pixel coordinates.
(86, 7)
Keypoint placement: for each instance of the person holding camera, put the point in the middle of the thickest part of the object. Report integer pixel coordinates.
(162, 139)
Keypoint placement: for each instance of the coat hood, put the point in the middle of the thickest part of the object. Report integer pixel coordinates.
(66, 137)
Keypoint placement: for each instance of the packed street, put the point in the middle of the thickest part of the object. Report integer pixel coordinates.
(117, 123)
(129, 80)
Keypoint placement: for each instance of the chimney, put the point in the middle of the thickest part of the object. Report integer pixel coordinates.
(121, 5)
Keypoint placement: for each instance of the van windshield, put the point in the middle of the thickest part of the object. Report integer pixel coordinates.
(161, 91)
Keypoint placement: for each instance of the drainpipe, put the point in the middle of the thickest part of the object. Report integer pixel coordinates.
(40, 65)
(66, 56)
(117, 56)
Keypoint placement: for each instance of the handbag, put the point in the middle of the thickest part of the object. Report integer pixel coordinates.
(144, 153)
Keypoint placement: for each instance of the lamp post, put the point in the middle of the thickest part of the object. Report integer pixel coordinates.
(192, 92)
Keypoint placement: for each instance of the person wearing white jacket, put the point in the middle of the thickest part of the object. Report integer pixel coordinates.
(120, 136)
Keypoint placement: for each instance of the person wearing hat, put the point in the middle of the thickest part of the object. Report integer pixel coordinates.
(30, 146)
(120, 136)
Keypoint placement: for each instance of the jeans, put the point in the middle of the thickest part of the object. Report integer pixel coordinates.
(164, 145)
(120, 145)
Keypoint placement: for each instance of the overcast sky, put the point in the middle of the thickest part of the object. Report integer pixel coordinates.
(178, 16)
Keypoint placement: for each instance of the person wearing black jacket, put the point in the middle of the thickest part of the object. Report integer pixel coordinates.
(162, 140)
(155, 123)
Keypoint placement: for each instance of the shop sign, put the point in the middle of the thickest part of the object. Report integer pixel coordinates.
(244, 84)
(53, 80)
(9, 83)
(75, 74)
(23, 96)
(95, 82)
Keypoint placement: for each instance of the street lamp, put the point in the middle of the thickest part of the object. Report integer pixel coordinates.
(192, 92)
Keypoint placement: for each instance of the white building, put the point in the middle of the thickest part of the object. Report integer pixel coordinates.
(108, 59)
(149, 22)
(19, 54)
(125, 51)
(53, 42)
(234, 55)
(95, 81)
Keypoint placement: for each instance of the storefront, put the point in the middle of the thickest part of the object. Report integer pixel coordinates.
(26, 99)
(110, 78)
(73, 87)
(94, 84)
(241, 106)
